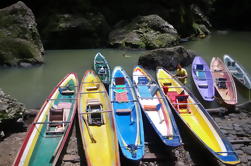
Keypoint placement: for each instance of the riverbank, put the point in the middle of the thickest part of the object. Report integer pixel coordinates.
(236, 127)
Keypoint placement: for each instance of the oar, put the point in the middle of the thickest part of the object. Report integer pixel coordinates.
(89, 131)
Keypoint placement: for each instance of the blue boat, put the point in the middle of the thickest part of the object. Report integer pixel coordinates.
(127, 115)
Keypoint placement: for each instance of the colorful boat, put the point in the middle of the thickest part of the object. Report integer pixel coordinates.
(196, 118)
(155, 107)
(223, 81)
(203, 79)
(102, 68)
(49, 131)
(96, 123)
(237, 71)
(127, 115)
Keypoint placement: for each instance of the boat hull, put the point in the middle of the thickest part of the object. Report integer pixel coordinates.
(237, 71)
(223, 81)
(161, 118)
(127, 115)
(197, 120)
(203, 79)
(44, 142)
(99, 62)
(96, 123)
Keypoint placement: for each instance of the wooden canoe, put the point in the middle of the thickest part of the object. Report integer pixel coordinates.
(237, 71)
(50, 129)
(223, 81)
(203, 79)
(196, 118)
(127, 115)
(96, 123)
(102, 68)
(155, 107)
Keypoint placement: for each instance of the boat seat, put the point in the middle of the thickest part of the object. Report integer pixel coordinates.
(203, 86)
(144, 92)
(142, 80)
(152, 107)
(94, 87)
(66, 90)
(229, 63)
(96, 117)
(56, 115)
(181, 99)
(153, 89)
(172, 96)
(233, 69)
(218, 70)
(201, 75)
(93, 102)
(102, 70)
(167, 83)
(121, 96)
(123, 111)
(119, 81)
(99, 62)
(221, 83)
(200, 67)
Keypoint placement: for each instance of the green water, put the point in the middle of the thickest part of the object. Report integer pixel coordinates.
(32, 85)
(236, 44)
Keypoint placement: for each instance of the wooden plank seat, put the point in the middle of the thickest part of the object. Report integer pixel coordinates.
(218, 70)
(56, 115)
(167, 84)
(93, 102)
(201, 85)
(66, 90)
(123, 111)
(56, 123)
(94, 87)
(152, 107)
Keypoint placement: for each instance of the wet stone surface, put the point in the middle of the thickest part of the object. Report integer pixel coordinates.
(235, 126)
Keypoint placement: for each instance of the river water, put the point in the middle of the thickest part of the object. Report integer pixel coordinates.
(32, 85)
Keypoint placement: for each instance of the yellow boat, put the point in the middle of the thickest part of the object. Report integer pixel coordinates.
(196, 118)
(96, 123)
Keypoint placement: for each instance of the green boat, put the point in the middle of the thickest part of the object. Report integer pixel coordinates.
(50, 129)
(102, 68)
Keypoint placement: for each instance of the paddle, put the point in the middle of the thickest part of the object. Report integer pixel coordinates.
(89, 131)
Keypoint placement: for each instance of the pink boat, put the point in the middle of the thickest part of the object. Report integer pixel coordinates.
(223, 81)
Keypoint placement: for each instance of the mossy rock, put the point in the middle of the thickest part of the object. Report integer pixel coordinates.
(144, 32)
(14, 50)
(18, 22)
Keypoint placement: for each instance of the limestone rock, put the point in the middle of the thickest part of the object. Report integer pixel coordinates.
(144, 32)
(19, 38)
(166, 57)
(11, 113)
